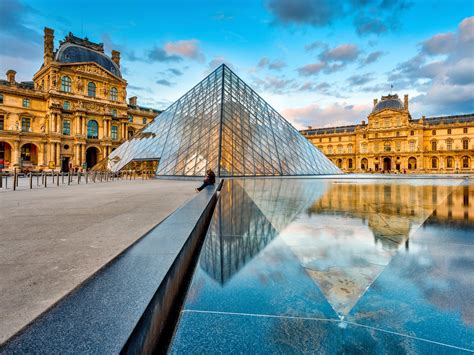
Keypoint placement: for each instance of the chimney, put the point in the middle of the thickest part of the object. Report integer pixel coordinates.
(11, 76)
(116, 57)
(405, 103)
(132, 101)
(48, 45)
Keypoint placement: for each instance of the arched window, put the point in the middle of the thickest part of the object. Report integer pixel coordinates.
(92, 129)
(411, 163)
(434, 163)
(330, 149)
(364, 164)
(66, 84)
(465, 162)
(450, 162)
(113, 94)
(91, 89)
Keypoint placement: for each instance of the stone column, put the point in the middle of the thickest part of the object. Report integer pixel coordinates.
(58, 154)
(83, 153)
(16, 153)
(59, 123)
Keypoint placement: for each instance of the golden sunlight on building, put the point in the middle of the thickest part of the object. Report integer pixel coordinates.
(391, 141)
(73, 113)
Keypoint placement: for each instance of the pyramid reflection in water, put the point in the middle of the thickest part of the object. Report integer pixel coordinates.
(223, 125)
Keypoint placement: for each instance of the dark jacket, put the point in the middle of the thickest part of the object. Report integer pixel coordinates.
(210, 178)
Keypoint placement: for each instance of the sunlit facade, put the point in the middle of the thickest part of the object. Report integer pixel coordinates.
(392, 141)
(73, 113)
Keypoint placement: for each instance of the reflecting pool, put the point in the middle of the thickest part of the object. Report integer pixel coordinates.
(334, 266)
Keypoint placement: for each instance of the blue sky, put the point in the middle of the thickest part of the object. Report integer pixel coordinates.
(318, 62)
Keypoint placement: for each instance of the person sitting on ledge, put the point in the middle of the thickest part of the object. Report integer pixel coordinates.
(210, 179)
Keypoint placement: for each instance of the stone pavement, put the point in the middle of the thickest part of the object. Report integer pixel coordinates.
(51, 240)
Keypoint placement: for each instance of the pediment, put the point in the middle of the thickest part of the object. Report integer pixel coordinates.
(92, 68)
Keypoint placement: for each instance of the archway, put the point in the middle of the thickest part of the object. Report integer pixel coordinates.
(92, 156)
(5, 155)
(364, 164)
(387, 164)
(411, 163)
(339, 163)
(465, 162)
(28, 155)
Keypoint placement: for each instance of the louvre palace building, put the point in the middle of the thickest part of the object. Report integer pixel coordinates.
(392, 141)
(74, 112)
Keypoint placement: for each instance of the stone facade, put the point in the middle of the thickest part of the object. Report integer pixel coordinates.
(73, 113)
(391, 141)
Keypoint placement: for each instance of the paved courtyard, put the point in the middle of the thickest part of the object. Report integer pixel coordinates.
(53, 239)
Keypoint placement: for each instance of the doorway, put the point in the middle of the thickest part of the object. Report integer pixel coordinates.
(65, 165)
(387, 164)
(92, 154)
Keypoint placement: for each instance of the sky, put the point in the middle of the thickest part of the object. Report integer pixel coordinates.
(319, 63)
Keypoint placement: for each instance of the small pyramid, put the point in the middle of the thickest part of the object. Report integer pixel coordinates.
(223, 125)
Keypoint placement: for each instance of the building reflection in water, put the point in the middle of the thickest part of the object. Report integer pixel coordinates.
(250, 213)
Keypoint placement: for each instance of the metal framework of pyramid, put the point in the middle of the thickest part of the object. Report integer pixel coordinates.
(223, 125)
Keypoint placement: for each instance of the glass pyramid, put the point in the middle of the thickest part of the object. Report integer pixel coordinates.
(223, 125)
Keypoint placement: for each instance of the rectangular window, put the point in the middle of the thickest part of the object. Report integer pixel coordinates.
(464, 130)
(67, 127)
(449, 144)
(433, 146)
(66, 105)
(433, 132)
(25, 124)
(465, 144)
(114, 132)
(1, 99)
(114, 113)
(130, 118)
(2, 123)
(144, 120)
(26, 102)
(412, 133)
(449, 130)
(412, 146)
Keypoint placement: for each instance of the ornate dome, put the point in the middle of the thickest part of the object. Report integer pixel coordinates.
(389, 101)
(74, 53)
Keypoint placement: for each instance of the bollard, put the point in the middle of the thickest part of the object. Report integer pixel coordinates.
(78, 178)
(87, 177)
(42, 177)
(45, 180)
(6, 182)
(62, 178)
(14, 180)
(57, 179)
(37, 180)
(52, 174)
(1, 179)
(31, 180)
(68, 178)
